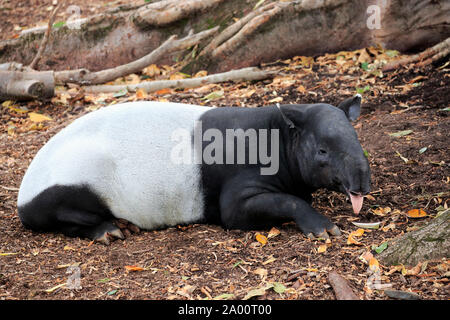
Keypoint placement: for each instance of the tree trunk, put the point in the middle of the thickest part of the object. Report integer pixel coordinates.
(430, 242)
(248, 35)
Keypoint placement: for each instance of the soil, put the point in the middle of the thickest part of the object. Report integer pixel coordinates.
(205, 261)
(18, 15)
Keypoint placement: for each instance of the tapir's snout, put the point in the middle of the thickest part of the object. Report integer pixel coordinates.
(358, 174)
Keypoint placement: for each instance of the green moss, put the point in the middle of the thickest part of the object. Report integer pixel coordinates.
(431, 239)
(101, 30)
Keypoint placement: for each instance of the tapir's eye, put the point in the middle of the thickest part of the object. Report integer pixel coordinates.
(322, 151)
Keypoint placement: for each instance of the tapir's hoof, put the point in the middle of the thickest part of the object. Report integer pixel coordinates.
(325, 234)
(126, 226)
(335, 231)
(107, 236)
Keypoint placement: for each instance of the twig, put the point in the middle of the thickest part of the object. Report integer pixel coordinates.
(9, 188)
(46, 37)
(245, 74)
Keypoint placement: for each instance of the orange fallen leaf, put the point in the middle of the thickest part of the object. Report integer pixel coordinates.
(163, 91)
(36, 117)
(351, 240)
(416, 213)
(134, 268)
(381, 211)
(301, 89)
(141, 94)
(412, 271)
(322, 248)
(390, 226)
(261, 239)
(374, 265)
(397, 268)
(358, 233)
(201, 73)
(151, 70)
(273, 233)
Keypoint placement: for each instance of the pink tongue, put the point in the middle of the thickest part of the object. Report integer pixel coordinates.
(357, 202)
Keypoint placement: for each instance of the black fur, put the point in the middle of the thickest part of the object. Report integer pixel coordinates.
(238, 196)
(72, 210)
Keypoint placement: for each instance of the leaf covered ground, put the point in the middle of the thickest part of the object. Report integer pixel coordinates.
(403, 129)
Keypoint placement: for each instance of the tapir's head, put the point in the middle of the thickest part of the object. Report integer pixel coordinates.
(326, 148)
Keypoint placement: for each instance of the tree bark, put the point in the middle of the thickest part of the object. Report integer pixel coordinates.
(26, 85)
(248, 36)
(430, 242)
(341, 288)
(83, 76)
(245, 74)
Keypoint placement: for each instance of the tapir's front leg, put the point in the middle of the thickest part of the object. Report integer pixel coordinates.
(242, 210)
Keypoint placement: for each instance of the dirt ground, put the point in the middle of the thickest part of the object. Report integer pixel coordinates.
(205, 261)
(18, 15)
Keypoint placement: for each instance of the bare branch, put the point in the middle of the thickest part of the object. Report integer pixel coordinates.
(44, 41)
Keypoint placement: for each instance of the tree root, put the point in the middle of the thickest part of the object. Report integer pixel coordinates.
(430, 242)
(237, 33)
(424, 58)
(85, 77)
(234, 29)
(167, 11)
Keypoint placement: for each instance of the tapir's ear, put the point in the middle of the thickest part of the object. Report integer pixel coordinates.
(351, 107)
(286, 118)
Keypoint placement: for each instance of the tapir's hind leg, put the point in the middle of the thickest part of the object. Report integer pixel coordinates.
(76, 223)
(73, 210)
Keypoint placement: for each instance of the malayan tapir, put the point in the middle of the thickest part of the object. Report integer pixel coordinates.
(159, 164)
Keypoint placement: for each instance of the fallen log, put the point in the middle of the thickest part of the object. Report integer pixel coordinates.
(15, 85)
(245, 74)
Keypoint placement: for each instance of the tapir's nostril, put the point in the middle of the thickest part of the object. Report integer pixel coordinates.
(355, 193)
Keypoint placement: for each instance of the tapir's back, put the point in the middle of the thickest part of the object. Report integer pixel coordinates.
(123, 154)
